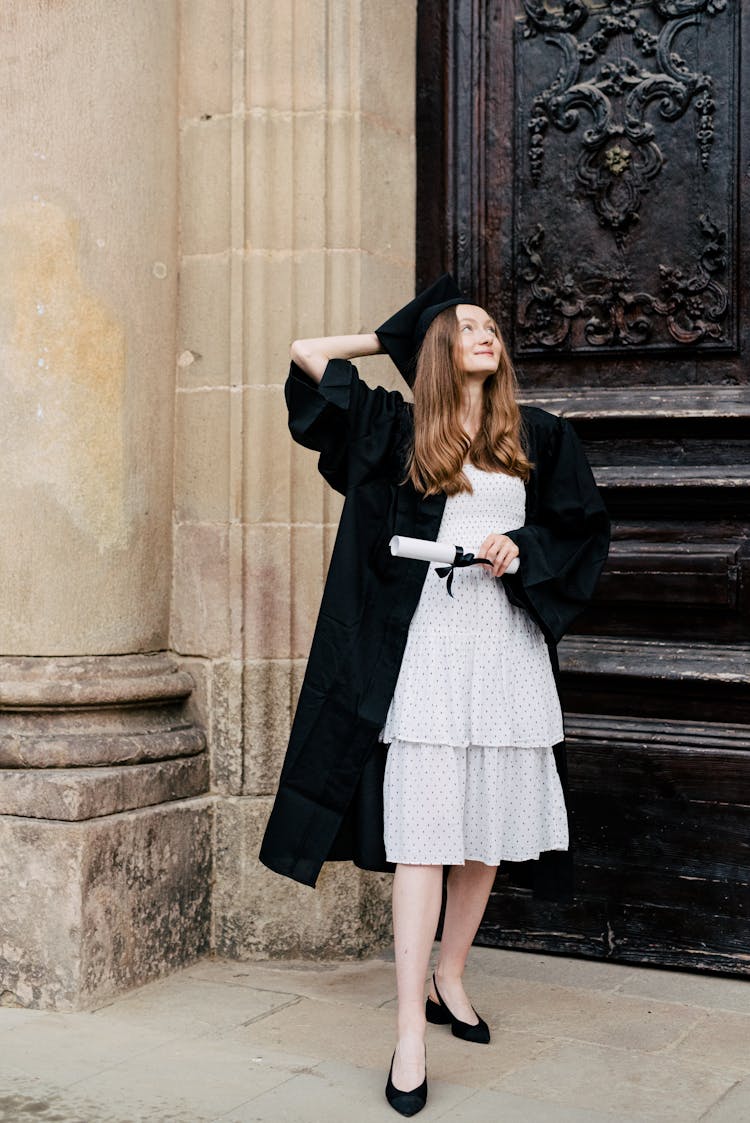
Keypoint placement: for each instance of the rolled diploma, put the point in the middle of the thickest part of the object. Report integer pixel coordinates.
(420, 549)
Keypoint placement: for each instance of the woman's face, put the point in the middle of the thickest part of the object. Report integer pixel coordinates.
(479, 345)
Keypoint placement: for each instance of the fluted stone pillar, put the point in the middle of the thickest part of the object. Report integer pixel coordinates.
(298, 196)
(104, 834)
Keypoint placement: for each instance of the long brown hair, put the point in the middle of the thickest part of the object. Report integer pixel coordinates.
(441, 444)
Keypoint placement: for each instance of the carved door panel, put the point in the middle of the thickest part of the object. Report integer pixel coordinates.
(581, 170)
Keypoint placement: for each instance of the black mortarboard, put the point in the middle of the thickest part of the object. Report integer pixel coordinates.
(403, 333)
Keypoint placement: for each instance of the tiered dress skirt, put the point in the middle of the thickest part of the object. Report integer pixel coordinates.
(470, 773)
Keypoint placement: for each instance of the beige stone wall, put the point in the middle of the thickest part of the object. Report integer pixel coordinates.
(88, 246)
(296, 218)
(187, 185)
(105, 827)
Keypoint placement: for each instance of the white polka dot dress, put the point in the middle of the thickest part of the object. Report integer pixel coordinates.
(470, 773)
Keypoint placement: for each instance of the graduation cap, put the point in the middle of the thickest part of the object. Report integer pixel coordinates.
(402, 335)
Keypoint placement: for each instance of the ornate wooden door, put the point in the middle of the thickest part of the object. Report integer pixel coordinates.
(582, 170)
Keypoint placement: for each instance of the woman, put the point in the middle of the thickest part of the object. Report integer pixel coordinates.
(460, 687)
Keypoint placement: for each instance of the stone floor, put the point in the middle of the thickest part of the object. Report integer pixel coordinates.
(573, 1041)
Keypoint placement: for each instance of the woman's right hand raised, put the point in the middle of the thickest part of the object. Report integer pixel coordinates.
(313, 355)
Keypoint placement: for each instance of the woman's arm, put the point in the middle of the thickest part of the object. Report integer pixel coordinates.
(312, 355)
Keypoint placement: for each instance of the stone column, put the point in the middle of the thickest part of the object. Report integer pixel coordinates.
(104, 839)
(298, 190)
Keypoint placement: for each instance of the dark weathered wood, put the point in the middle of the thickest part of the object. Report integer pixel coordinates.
(661, 828)
(667, 621)
(648, 934)
(663, 834)
(656, 660)
(675, 771)
(628, 676)
(681, 891)
(433, 150)
(690, 492)
(658, 405)
(656, 678)
(587, 728)
(705, 573)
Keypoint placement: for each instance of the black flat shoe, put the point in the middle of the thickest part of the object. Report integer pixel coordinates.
(406, 1103)
(438, 1014)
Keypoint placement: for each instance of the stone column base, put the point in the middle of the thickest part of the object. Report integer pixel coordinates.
(91, 909)
(105, 833)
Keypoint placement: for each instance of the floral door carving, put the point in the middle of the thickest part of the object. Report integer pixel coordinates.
(620, 107)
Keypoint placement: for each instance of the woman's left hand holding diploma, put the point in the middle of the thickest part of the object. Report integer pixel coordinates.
(500, 550)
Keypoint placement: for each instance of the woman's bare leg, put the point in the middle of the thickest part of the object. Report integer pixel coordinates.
(469, 888)
(417, 895)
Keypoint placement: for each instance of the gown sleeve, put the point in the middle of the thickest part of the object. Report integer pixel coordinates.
(349, 423)
(564, 543)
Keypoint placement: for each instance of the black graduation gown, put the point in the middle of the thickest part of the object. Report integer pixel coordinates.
(329, 801)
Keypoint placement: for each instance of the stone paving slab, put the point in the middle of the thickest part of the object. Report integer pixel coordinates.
(366, 982)
(197, 1079)
(334, 1092)
(734, 1107)
(12, 1016)
(574, 1041)
(30, 1099)
(361, 1037)
(589, 1016)
(328, 1093)
(724, 1037)
(503, 1107)
(48, 1105)
(63, 1049)
(558, 970)
(618, 1080)
(714, 992)
(187, 1006)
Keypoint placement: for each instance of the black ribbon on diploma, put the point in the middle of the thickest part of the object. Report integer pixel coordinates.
(460, 561)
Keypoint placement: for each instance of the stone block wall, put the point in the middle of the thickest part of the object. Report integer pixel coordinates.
(187, 186)
(297, 180)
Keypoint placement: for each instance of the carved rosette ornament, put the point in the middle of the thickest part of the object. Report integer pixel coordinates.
(619, 151)
(613, 312)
